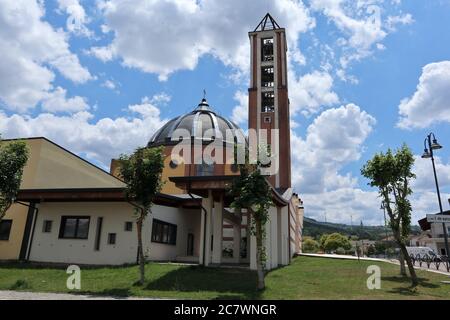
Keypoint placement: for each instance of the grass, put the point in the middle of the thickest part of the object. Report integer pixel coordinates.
(305, 278)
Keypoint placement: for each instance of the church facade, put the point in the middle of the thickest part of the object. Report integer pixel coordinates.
(70, 211)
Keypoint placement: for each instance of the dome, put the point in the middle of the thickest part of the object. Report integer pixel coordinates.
(196, 123)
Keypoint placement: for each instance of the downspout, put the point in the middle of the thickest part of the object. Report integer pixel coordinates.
(289, 234)
(30, 240)
(204, 225)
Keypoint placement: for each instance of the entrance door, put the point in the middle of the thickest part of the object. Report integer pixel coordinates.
(190, 244)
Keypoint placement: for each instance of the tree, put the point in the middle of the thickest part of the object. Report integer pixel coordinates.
(251, 190)
(391, 174)
(13, 157)
(310, 245)
(142, 171)
(335, 241)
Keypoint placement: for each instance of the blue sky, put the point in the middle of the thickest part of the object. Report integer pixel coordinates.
(99, 77)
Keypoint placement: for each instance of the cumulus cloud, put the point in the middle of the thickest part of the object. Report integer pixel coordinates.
(240, 112)
(57, 101)
(183, 31)
(77, 18)
(311, 91)
(430, 103)
(334, 139)
(100, 140)
(32, 46)
(361, 24)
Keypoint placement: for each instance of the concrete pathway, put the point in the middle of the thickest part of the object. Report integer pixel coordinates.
(22, 295)
(393, 261)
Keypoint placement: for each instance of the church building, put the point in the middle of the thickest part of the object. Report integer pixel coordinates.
(70, 211)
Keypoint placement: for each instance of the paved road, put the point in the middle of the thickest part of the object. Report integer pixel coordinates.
(20, 295)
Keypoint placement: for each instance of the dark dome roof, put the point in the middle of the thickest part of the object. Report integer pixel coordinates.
(196, 123)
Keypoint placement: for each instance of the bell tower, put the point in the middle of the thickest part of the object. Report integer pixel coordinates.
(268, 103)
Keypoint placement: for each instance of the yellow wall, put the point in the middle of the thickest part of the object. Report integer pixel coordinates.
(10, 249)
(169, 187)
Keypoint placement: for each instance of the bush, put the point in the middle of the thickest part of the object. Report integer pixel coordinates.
(310, 246)
(335, 241)
(340, 250)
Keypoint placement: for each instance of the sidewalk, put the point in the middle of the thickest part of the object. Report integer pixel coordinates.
(21, 295)
(393, 261)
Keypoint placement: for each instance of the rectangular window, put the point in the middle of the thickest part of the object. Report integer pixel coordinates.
(5, 229)
(268, 102)
(164, 232)
(205, 169)
(267, 77)
(112, 238)
(74, 227)
(128, 226)
(47, 227)
(267, 49)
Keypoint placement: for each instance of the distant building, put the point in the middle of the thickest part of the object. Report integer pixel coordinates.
(432, 235)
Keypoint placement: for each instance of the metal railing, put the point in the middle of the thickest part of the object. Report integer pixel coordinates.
(429, 261)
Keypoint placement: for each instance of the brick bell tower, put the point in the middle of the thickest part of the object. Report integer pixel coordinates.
(268, 104)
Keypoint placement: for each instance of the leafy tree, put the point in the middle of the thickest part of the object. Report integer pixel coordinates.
(251, 190)
(142, 171)
(13, 157)
(323, 238)
(391, 174)
(310, 245)
(336, 240)
(371, 250)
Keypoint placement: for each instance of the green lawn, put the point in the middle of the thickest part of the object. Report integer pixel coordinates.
(305, 278)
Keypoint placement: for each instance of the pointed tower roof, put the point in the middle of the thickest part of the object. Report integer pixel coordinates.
(267, 23)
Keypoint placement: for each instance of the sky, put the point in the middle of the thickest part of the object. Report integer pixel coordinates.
(100, 77)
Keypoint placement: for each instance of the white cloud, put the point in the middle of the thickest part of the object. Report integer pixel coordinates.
(109, 84)
(30, 45)
(99, 140)
(430, 103)
(77, 18)
(184, 30)
(240, 112)
(310, 92)
(57, 101)
(424, 174)
(362, 25)
(404, 19)
(333, 140)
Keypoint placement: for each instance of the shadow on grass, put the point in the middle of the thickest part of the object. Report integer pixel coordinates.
(112, 292)
(408, 289)
(230, 283)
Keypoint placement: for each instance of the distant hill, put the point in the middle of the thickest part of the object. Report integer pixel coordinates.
(315, 229)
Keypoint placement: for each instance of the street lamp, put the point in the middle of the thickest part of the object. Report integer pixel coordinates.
(431, 145)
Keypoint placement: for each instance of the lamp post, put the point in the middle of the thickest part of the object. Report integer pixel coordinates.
(431, 145)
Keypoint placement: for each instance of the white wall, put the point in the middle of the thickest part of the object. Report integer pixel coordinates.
(187, 221)
(47, 247)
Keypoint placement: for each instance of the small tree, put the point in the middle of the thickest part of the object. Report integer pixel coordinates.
(391, 174)
(251, 191)
(13, 157)
(335, 241)
(142, 171)
(310, 245)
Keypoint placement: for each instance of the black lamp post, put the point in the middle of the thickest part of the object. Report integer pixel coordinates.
(431, 145)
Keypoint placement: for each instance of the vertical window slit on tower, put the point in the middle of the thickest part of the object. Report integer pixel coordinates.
(267, 77)
(268, 102)
(267, 49)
